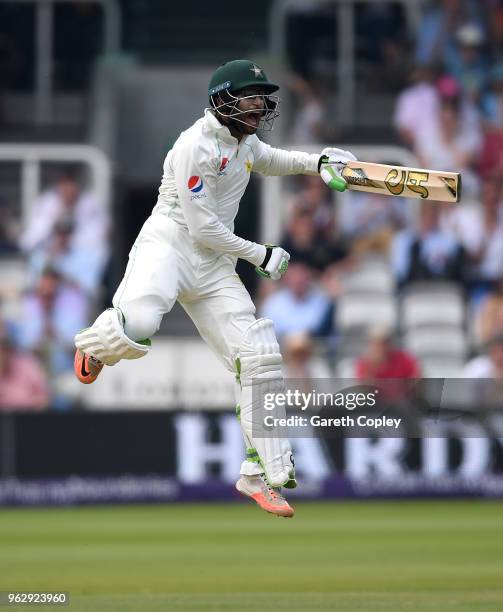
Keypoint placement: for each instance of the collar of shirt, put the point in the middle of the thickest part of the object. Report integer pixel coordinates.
(213, 125)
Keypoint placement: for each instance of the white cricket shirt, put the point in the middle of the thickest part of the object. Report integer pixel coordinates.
(206, 174)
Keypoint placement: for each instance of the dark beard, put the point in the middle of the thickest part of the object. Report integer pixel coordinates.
(236, 126)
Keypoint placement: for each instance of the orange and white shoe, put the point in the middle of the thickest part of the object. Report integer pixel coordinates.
(86, 368)
(269, 499)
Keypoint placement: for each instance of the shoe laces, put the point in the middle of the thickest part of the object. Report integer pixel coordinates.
(273, 493)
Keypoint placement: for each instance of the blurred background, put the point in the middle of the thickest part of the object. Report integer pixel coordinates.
(92, 96)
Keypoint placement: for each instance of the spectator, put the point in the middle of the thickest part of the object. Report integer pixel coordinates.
(430, 253)
(454, 143)
(310, 245)
(300, 363)
(492, 103)
(491, 157)
(382, 359)
(489, 256)
(369, 221)
(418, 111)
(382, 364)
(312, 194)
(417, 105)
(443, 30)
(300, 306)
(67, 203)
(78, 266)
(480, 231)
(489, 365)
(466, 61)
(315, 197)
(435, 31)
(488, 369)
(300, 239)
(489, 317)
(53, 312)
(22, 381)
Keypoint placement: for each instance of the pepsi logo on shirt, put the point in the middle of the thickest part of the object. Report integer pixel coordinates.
(195, 184)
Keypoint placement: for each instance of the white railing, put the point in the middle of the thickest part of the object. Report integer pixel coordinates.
(31, 156)
(43, 60)
(273, 194)
(344, 35)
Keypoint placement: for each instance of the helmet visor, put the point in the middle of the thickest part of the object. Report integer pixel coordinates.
(266, 115)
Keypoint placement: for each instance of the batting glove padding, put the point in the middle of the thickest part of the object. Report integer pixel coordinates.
(331, 164)
(275, 263)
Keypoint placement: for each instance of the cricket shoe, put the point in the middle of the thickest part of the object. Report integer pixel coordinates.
(86, 368)
(269, 499)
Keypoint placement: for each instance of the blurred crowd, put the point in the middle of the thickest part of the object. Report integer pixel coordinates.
(447, 80)
(65, 247)
(449, 113)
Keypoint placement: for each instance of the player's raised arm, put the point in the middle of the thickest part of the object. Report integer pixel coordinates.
(280, 162)
(270, 161)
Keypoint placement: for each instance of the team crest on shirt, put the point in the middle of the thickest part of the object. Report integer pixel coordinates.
(223, 166)
(249, 165)
(195, 184)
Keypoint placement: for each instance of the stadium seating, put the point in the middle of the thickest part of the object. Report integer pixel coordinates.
(359, 311)
(428, 304)
(12, 275)
(441, 366)
(436, 340)
(370, 276)
(430, 318)
(345, 368)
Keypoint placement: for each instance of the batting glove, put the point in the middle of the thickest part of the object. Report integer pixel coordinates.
(275, 263)
(330, 166)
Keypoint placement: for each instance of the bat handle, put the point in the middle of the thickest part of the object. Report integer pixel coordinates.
(332, 178)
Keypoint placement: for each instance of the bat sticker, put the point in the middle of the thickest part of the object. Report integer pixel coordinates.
(358, 176)
(450, 183)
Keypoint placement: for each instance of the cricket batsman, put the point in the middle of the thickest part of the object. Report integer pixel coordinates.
(187, 251)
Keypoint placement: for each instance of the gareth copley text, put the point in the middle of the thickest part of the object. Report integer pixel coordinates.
(342, 422)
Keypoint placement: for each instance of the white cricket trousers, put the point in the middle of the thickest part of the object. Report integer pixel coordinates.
(166, 265)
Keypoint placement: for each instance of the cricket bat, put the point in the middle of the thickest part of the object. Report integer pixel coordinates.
(401, 181)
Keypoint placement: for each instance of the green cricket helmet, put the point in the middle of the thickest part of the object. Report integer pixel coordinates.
(237, 76)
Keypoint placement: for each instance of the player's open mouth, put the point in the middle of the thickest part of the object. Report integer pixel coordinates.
(253, 119)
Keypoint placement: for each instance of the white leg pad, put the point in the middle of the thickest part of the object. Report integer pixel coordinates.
(106, 341)
(251, 465)
(260, 361)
